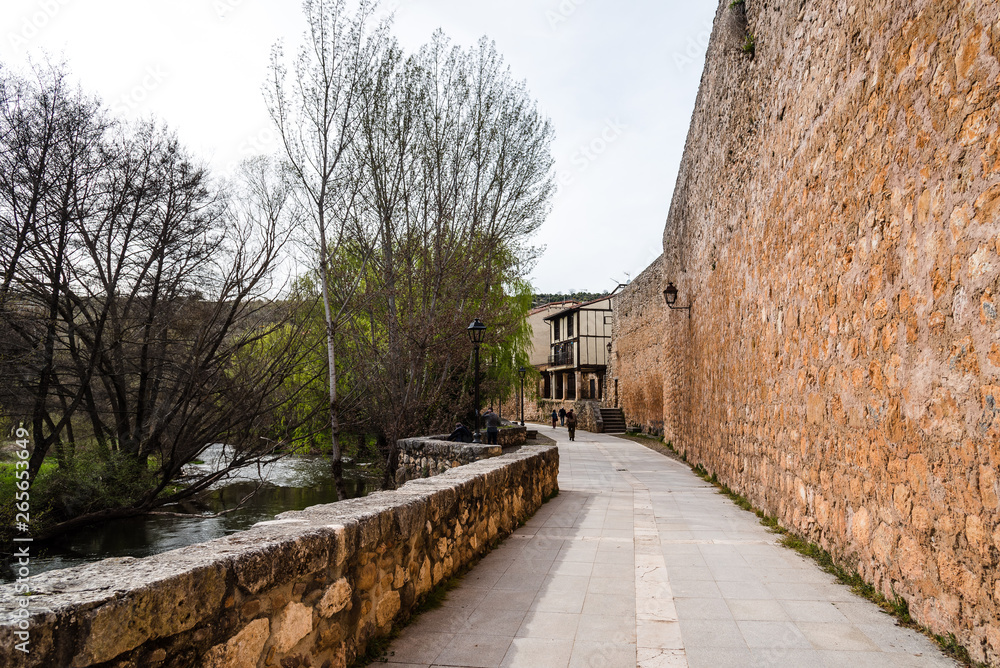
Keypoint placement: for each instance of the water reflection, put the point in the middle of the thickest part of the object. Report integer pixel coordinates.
(293, 483)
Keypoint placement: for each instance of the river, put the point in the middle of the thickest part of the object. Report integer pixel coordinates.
(291, 483)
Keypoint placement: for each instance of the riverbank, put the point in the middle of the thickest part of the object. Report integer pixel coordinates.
(232, 505)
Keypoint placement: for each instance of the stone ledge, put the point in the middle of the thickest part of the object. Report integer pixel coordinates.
(325, 580)
(428, 456)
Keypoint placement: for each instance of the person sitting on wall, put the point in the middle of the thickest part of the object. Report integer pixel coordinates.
(492, 421)
(461, 434)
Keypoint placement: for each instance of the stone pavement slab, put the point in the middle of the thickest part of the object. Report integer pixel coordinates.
(638, 562)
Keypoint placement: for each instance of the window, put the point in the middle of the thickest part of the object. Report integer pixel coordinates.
(555, 330)
(569, 327)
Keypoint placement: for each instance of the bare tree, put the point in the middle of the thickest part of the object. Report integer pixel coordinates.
(51, 155)
(138, 308)
(317, 117)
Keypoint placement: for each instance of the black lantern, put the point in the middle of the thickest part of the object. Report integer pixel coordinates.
(670, 297)
(670, 294)
(609, 350)
(522, 371)
(477, 331)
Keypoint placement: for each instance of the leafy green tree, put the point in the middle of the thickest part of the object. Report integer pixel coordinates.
(456, 175)
(424, 178)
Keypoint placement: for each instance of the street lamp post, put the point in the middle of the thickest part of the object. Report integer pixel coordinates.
(477, 331)
(522, 371)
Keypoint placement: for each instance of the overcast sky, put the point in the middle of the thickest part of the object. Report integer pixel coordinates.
(618, 79)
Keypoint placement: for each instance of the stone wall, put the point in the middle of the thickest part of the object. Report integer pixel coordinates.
(637, 353)
(432, 455)
(835, 222)
(587, 412)
(311, 588)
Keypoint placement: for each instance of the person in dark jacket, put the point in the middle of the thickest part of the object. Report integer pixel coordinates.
(562, 416)
(462, 434)
(555, 418)
(492, 421)
(571, 424)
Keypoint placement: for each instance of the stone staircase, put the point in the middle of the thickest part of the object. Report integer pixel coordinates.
(614, 420)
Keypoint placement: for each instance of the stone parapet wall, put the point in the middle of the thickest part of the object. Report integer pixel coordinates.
(512, 436)
(836, 224)
(428, 456)
(311, 588)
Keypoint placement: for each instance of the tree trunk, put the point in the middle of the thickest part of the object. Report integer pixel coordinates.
(336, 458)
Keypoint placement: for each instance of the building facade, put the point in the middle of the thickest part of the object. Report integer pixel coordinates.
(577, 362)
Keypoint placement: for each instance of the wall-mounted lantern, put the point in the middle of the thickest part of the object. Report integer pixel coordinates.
(670, 296)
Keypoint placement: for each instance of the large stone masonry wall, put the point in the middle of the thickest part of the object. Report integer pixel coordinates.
(638, 348)
(835, 222)
(311, 588)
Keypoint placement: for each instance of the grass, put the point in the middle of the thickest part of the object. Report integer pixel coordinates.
(8, 475)
(377, 650)
(654, 443)
(848, 575)
(750, 44)
(8, 490)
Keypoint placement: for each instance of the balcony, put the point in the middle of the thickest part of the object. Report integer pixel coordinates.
(562, 358)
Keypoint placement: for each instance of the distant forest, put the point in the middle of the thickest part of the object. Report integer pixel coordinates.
(544, 298)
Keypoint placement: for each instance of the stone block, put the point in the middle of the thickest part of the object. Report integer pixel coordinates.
(242, 650)
(336, 598)
(387, 608)
(293, 624)
(148, 612)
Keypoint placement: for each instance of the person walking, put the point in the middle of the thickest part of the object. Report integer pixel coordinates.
(492, 421)
(571, 424)
(562, 416)
(555, 418)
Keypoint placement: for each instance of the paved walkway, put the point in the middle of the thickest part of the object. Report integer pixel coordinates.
(638, 562)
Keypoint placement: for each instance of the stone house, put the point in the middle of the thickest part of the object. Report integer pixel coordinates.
(538, 356)
(579, 337)
(541, 337)
(570, 352)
